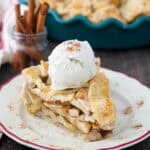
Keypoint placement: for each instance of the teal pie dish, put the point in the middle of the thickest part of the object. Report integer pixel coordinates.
(109, 34)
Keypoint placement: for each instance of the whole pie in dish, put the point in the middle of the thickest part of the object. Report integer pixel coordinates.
(98, 10)
(81, 104)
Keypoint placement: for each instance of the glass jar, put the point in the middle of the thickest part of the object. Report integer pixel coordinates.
(22, 42)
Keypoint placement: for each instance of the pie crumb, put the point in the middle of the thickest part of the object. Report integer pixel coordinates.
(11, 107)
(140, 103)
(127, 110)
(23, 125)
(137, 126)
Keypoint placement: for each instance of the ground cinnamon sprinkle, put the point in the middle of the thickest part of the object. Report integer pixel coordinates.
(73, 46)
(137, 126)
(23, 126)
(127, 110)
(10, 107)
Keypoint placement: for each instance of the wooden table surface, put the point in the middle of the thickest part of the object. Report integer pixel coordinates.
(135, 63)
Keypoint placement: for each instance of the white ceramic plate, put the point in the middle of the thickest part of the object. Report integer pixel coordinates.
(132, 101)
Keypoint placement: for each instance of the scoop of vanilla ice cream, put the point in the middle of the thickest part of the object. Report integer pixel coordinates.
(71, 64)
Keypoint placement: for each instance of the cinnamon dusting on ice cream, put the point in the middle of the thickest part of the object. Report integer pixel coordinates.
(73, 45)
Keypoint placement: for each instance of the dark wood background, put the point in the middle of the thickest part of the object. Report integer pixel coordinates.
(135, 63)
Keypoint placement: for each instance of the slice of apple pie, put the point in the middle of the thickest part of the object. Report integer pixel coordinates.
(88, 111)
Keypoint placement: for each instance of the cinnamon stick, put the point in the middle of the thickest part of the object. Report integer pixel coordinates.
(24, 60)
(26, 17)
(30, 18)
(17, 14)
(21, 60)
(19, 28)
(34, 54)
(22, 26)
(15, 63)
(36, 16)
(28, 28)
(42, 17)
